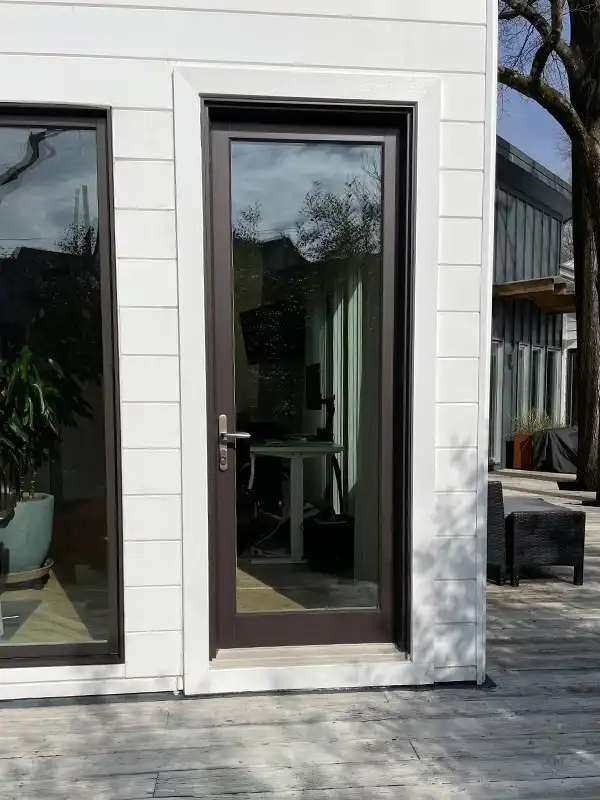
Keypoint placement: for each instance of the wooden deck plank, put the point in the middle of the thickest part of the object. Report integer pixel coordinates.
(532, 735)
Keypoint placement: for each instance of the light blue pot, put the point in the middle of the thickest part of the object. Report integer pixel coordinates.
(27, 536)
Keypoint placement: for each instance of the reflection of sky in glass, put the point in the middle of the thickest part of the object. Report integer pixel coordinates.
(38, 207)
(278, 176)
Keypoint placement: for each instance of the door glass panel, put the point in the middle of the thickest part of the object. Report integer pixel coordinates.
(306, 240)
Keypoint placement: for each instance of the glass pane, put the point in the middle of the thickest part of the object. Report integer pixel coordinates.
(494, 401)
(551, 388)
(536, 368)
(307, 315)
(52, 454)
(523, 381)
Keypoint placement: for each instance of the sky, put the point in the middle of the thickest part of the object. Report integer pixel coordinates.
(276, 176)
(526, 125)
(37, 209)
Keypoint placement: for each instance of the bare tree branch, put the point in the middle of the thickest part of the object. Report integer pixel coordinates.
(550, 33)
(553, 101)
(32, 155)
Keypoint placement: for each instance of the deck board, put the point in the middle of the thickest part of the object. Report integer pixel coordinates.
(531, 733)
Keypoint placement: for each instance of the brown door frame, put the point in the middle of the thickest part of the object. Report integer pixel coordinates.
(229, 629)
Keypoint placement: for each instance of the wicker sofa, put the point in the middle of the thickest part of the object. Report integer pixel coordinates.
(528, 532)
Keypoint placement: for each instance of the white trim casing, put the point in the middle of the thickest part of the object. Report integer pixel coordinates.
(424, 92)
(485, 344)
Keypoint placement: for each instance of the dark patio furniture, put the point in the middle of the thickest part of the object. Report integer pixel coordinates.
(540, 534)
(496, 534)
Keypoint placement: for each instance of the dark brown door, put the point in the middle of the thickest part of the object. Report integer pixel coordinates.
(302, 328)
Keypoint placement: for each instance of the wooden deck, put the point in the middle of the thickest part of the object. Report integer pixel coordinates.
(533, 734)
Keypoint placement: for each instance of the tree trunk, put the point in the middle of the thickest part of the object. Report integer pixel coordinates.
(589, 151)
(588, 331)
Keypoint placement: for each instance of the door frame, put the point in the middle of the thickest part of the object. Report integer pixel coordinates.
(315, 123)
(192, 85)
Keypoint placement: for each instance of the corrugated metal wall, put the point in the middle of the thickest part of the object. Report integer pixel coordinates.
(528, 240)
(517, 323)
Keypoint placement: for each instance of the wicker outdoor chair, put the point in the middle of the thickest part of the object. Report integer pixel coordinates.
(496, 532)
(545, 535)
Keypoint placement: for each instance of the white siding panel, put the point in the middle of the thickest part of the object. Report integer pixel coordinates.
(461, 194)
(149, 379)
(459, 288)
(151, 472)
(153, 654)
(462, 145)
(250, 38)
(146, 283)
(456, 558)
(455, 645)
(466, 11)
(456, 425)
(155, 608)
(455, 514)
(456, 602)
(457, 380)
(145, 234)
(458, 335)
(456, 470)
(153, 517)
(148, 331)
(150, 425)
(83, 81)
(152, 564)
(144, 184)
(142, 134)
(463, 98)
(460, 241)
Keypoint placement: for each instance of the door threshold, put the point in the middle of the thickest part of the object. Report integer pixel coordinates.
(309, 655)
(310, 668)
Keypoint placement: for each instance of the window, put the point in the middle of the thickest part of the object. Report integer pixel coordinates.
(536, 387)
(496, 376)
(571, 409)
(57, 408)
(523, 380)
(552, 388)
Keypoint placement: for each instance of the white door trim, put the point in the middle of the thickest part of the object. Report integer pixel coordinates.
(424, 92)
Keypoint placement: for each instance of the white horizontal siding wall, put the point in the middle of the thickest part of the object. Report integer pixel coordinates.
(122, 55)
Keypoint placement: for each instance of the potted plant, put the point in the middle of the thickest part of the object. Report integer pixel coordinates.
(37, 399)
(524, 426)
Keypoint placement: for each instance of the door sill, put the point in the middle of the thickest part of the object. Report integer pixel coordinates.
(322, 655)
(330, 667)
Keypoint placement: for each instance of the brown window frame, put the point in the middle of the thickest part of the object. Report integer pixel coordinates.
(112, 650)
(268, 112)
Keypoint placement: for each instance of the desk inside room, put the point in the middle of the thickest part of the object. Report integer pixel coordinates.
(296, 452)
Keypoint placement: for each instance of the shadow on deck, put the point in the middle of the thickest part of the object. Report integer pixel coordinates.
(546, 623)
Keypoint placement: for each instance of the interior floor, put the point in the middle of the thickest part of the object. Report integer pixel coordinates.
(293, 587)
(58, 613)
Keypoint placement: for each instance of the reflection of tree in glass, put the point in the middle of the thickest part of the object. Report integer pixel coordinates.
(340, 225)
(333, 229)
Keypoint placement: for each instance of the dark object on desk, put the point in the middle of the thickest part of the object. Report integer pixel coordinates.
(274, 332)
(555, 450)
(329, 543)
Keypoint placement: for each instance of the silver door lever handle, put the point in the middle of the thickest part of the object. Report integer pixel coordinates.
(229, 436)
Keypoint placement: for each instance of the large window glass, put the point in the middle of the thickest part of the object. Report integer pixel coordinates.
(552, 387)
(57, 516)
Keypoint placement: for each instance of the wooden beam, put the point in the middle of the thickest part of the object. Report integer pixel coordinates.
(520, 288)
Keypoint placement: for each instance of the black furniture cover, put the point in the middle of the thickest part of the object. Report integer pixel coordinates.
(555, 450)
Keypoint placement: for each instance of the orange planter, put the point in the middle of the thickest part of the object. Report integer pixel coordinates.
(522, 451)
